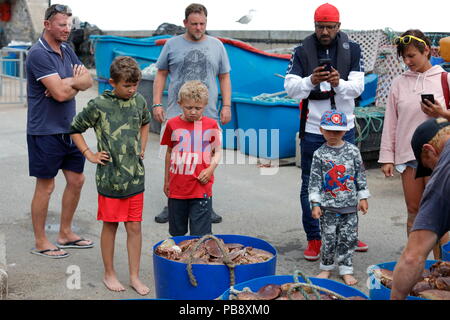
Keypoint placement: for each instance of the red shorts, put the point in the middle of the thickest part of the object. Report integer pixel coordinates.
(120, 210)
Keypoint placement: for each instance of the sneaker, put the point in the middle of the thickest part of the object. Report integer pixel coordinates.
(361, 247)
(163, 217)
(312, 252)
(215, 218)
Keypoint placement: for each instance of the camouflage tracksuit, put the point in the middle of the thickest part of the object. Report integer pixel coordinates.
(117, 124)
(338, 182)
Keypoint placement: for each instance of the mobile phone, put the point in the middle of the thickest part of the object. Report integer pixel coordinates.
(325, 62)
(429, 97)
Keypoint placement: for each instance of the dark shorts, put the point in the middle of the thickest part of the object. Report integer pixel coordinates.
(195, 213)
(50, 153)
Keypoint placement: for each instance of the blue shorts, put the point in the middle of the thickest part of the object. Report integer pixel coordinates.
(47, 154)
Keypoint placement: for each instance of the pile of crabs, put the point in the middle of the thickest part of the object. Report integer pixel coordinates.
(434, 283)
(287, 292)
(211, 252)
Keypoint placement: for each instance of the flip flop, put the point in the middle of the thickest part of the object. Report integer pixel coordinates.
(75, 245)
(43, 253)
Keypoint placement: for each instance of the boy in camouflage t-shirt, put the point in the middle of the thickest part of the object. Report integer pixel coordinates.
(121, 120)
(337, 191)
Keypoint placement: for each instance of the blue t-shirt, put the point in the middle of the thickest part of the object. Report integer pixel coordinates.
(46, 115)
(434, 211)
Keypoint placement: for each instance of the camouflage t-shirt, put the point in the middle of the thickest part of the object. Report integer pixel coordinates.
(338, 178)
(117, 125)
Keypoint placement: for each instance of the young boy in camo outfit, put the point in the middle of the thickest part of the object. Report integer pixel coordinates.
(337, 191)
(121, 120)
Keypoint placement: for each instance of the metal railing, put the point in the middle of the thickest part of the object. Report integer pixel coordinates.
(12, 76)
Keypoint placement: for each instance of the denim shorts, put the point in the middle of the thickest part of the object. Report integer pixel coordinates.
(49, 153)
(402, 167)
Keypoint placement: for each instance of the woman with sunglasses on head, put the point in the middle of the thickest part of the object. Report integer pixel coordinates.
(405, 111)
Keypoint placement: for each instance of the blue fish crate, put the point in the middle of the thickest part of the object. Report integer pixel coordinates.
(378, 291)
(255, 284)
(172, 279)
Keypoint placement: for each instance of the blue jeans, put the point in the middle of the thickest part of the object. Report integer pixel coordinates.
(308, 145)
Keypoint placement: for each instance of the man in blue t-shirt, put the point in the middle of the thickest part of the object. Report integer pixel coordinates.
(431, 146)
(54, 76)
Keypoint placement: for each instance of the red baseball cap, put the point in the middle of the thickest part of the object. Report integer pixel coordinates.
(326, 13)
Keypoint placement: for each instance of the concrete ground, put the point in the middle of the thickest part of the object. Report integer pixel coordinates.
(252, 204)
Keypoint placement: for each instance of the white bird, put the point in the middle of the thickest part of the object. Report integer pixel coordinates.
(247, 18)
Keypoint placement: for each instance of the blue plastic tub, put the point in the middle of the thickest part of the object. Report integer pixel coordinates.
(172, 280)
(267, 129)
(446, 252)
(332, 285)
(378, 291)
(370, 90)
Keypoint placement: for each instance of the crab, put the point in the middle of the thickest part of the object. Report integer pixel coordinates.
(210, 252)
(434, 283)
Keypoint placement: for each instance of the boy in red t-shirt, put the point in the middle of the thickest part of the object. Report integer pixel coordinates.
(193, 153)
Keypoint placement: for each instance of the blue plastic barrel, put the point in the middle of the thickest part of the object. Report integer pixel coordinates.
(332, 285)
(446, 252)
(172, 280)
(12, 68)
(378, 291)
(267, 129)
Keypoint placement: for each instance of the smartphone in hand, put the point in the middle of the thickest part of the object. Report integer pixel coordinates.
(428, 97)
(325, 62)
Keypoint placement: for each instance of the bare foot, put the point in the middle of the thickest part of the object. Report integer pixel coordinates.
(349, 280)
(140, 288)
(324, 275)
(113, 284)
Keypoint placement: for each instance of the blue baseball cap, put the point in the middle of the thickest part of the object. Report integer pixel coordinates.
(334, 121)
(423, 134)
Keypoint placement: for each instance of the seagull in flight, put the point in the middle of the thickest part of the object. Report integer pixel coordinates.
(247, 18)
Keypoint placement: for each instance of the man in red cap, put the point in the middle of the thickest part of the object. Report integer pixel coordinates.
(326, 72)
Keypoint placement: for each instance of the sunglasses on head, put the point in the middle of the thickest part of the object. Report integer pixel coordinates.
(58, 8)
(407, 40)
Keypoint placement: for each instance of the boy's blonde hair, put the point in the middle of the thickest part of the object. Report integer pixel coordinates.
(194, 90)
(125, 68)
